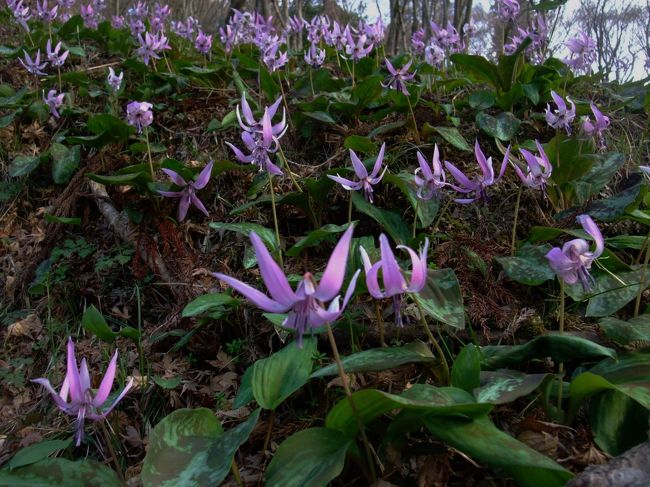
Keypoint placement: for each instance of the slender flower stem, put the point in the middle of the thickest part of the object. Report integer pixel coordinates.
(415, 123)
(286, 164)
(434, 342)
(350, 208)
(267, 439)
(146, 135)
(348, 393)
(275, 218)
(646, 259)
(380, 323)
(353, 68)
(311, 83)
(415, 216)
(58, 69)
(513, 239)
(284, 98)
(439, 219)
(561, 366)
(234, 468)
(109, 445)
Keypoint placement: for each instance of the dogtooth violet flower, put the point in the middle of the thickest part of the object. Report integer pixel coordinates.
(398, 77)
(21, 14)
(84, 403)
(53, 55)
(44, 13)
(366, 181)
(539, 168)
(572, 262)
(315, 56)
(583, 51)
(188, 193)
(114, 80)
(395, 284)
(203, 43)
(562, 116)
(54, 101)
(508, 9)
(429, 179)
(253, 125)
(34, 66)
(598, 126)
(481, 182)
(306, 306)
(139, 114)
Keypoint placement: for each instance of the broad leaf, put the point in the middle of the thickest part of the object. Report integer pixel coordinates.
(503, 127)
(392, 223)
(441, 297)
(59, 471)
(454, 137)
(65, 162)
(465, 373)
(505, 386)
(266, 234)
(635, 331)
(206, 303)
(37, 452)
(316, 237)
(426, 209)
(529, 266)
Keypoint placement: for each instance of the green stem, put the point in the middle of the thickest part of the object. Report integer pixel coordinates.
(439, 219)
(109, 445)
(415, 216)
(284, 98)
(353, 67)
(267, 439)
(311, 83)
(434, 342)
(513, 239)
(146, 135)
(561, 366)
(380, 323)
(234, 468)
(275, 219)
(348, 393)
(415, 124)
(286, 164)
(350, 208)
(646, 259)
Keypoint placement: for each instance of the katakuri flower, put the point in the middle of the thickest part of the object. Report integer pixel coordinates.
(395, 284)
(139, 114)
(583, 51)
(84, 403)
(188, 193)
(572, 262)
(481, 182)
(562, 116)
(114, 80)
(34, 66)
(597, 127)
(508, 9)
(539, 168)
(44, 13)
(54, 101)
(366, 181)
(55, 58)
(315, 56)
(398, 77)
(306, 306)
(203, 43)
(429, 180)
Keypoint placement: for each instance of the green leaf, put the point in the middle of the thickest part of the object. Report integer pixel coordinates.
(529, 266)
(129, 179)
(441, 297)
(392, 223)
(612, 293)
(465, 373)
(359, 143)
(268, 84)
(245, 392)
(62, 219)
(454, 137)
(308, 458)
(207, 302)
(602, 171)
(575, 158)
(481, 100)
(615, 206)
(503, 127)
(631, 332)
(59, 471)
(316, 237)
(561, 348)
(483, 441)
(65, 162)
(380, 359)
(37, 452)
(93, 322)
(6, 51)
(320, 116)
(171, 383)
(426, 209)
(107, 129)
(479, 67)
(266, 234)
(505, 386)
(7, 119)
(23, 165)
(372, 403)
(386, 128)
(277, 377)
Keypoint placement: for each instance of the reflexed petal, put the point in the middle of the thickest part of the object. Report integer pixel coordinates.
(504, 164)
(359, 168)
(461, 178)
(106, 412)
(275, 280)
(393, 280)
(267, 129)
(372, 282)
(175, 177)
(274, 108)
(334, 273)
(258, 298)
(84, 376)
(484, 164)
(378, 162)
(107, 383)
(346, 183)
(72, 374)
(424, 166)
(239, 154)
(60, 402)
(390, 67)
(172, 194)
(183, 206)
(592, 229)
(204, 176)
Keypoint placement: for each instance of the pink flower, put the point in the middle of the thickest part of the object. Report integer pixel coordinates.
(366, 181)
(188, 193)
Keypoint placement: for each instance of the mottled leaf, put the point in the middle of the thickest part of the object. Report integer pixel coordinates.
(441, 297)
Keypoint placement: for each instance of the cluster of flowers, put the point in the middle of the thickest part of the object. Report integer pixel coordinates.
(443, 41)
(561, 117)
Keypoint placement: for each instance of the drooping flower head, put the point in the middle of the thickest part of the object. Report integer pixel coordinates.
(583, 51)
(478, 186)
(429, 180)
(54, 101)
(53, 55)
(508, 9)
(596, 127)
(139, 114)
(572, 262)
(307, 306)
(366, 181)
(398, 77)
(21, 13)
(114, 80)
(434, 55)
(34, 66)
(203, 43)
(538, 170)
(45, 13)
(357, 50)
(315, 56)
(188, 192)
(561, 116)
(84, 403)
(395, 284)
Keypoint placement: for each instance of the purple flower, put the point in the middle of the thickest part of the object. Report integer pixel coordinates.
(357, 50)
(561, 117)
(89, 16)
(139, 114)
(427, 180)
(34, 66)
(55, 58)
(398, 77)
(53, 101)
(395, 285)
(46, 14)
(306, 306)
(337, 37)
(149, 45)
(136, 26)
(583, 51)
(296, 24)
(539, 168)
(188, 193)
(203, 43)
(315, 57)
(366, 181)
(481, 182)
(21, 13)
(572, 262)
(253, 125)
(508, 9)
(598, 126)
(273, 59)
(470, 29)
(434, 55)
(83, 402)
(117, 22)
(114, 81)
